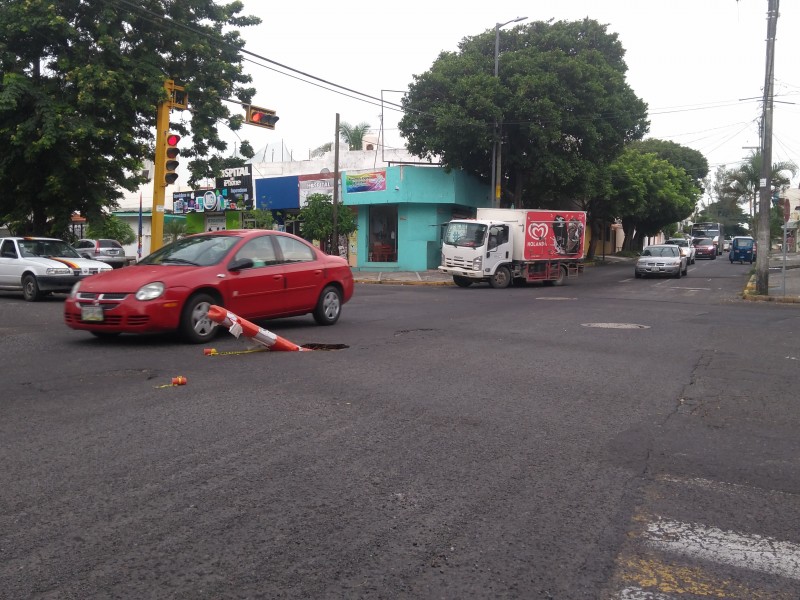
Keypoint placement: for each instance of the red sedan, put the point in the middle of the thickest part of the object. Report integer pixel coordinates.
(254, 273)
(705, 248)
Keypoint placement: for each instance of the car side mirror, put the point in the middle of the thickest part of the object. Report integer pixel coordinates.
(241, 263)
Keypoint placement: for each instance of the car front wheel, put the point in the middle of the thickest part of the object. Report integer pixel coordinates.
(30, 288)
(195, 326)
(329, 306)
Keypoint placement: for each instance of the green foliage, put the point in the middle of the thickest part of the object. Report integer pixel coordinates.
(174, 229)
(111, 227)
(81, 82)
(353, 135)
(649, 194)
(262, 219)
(690, 160)
(560, 97)
(320, 150)
(316, 219)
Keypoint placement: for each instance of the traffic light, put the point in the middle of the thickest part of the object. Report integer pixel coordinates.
(262, 117)
(171, 160)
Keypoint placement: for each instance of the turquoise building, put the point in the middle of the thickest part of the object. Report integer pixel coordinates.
(401, 211)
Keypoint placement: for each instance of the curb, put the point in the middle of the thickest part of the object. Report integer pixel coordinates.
(750, 295)
(401, 282)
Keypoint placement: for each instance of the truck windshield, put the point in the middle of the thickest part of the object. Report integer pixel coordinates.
(470, 235)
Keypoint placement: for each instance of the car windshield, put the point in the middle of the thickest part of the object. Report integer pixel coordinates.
(202, 251)
(47, 248)
(704, 242)
(465, 234)
(743, 243)
(661, 251)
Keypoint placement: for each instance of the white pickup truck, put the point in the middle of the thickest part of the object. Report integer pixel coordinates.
(38, 266)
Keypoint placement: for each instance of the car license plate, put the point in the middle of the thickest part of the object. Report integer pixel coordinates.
(92, 313)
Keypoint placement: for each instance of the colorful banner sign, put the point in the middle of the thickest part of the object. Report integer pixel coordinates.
(374, 181)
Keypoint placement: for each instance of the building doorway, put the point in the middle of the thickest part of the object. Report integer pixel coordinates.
(382, 236)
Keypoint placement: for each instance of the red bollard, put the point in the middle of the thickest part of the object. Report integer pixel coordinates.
(238, 326)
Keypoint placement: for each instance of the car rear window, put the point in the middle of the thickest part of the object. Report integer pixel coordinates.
(109, 244)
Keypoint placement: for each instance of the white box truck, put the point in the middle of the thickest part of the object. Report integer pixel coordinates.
(502, 245)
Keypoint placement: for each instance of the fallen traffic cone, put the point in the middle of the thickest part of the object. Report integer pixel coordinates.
(238, 326)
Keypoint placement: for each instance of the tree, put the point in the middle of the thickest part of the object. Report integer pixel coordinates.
(649, 194)
(564, 108)
(174, 229)
(353, 135)
(744, 182)
(688, 159)
(316, 220)
(80, 85)
(111, 227)
(260, 218)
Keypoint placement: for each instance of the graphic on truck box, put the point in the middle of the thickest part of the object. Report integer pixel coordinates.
(554, 234)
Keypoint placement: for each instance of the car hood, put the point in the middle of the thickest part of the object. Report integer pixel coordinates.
(85, 265)
(131, 278)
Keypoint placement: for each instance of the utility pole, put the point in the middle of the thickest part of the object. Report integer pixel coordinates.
(335, 249)
(765, 187)
(497, 172)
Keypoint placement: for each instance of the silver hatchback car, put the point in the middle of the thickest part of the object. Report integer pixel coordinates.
(662, 259)
(110, 252)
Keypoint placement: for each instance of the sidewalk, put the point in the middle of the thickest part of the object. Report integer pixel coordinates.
(776, 281)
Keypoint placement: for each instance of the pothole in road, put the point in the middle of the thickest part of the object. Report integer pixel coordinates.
(325, 346)
(615, 325)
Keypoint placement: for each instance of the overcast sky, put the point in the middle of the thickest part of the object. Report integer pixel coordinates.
(698, 64)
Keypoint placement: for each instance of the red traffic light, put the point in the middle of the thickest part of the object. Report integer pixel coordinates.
(262, 117)
(170, 162)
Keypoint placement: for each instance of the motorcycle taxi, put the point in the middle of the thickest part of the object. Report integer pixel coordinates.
(743, 249)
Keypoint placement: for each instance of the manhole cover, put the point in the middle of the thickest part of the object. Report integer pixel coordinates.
(616, 325)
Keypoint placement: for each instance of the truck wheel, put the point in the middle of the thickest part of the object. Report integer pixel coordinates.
(30, 288)
(562, 276)
(501, 278)
(462, 281)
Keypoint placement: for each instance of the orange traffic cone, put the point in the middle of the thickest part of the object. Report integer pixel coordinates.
(238, 326)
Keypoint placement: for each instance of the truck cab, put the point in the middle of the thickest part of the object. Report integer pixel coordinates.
(473, 251)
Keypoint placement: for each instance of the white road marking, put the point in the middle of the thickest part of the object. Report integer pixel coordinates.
(759, 553)
(635, 593)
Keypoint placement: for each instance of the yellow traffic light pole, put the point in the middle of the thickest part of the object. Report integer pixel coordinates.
(176, 99)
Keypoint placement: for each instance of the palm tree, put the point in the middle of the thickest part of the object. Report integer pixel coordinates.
(353, 135)
(174, 229)
(744, 181)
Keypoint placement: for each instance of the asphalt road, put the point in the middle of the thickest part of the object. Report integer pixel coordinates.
(610, 438)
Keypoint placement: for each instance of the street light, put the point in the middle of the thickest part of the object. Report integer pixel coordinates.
(496, 179)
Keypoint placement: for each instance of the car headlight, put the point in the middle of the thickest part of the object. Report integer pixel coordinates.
(58, 271)
(151, 291)
(74, 291)
(477, 264)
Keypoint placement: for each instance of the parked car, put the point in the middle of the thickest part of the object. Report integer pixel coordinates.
(704, 248)
(662, 259)
(254, 273)
(37, 266)
(108, 251)
(726, 244)
(743, 249)
(687, 249)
